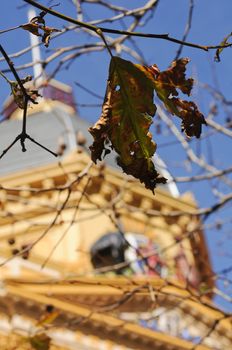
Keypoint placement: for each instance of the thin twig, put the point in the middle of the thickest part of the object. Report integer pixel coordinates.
(124, 32)
(11, 66)
(69, 225)
(4, 77)
(187, 29)
(23, 135)
(202, 177)
(9, 29)
(92, 93)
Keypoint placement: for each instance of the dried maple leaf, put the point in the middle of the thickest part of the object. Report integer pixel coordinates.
(128, 110)
(125, 122)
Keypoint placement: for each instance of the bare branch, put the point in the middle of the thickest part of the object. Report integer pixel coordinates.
(123, 32)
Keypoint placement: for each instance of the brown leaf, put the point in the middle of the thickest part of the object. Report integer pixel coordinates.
(19, 97)
(37, 27)
(32, 28)
(39, 18)
(125, 121)
(167, 84)
(175, 77)
(127, 114)
(192, 119)
(47, 34)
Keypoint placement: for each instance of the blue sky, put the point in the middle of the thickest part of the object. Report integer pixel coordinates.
(211, 23)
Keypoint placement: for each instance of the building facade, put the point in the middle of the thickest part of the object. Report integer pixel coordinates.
(90, 259)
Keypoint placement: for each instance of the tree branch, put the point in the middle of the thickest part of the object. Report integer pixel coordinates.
(123, 32)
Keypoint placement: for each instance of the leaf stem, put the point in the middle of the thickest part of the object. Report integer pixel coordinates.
(100, 33)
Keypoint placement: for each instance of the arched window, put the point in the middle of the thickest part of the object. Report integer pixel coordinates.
(136, 254)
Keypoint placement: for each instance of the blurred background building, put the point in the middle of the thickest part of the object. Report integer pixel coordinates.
(88, 256)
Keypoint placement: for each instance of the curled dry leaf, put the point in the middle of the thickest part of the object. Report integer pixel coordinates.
(32, 28)
(125, 122)
(18, 95)
(38, 27)
(47, 34)
(127, 114)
